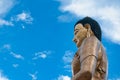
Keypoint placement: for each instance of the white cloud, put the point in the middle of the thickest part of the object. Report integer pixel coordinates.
(5, 6)
(5, 48)
(18, 56)
(24, 17)
(68, 56)
(42, 55)
(64, 77)
(2, 77)
(107, 12)
(34, 77)
(5, 23)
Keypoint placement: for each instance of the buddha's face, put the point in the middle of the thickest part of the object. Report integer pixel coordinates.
(80, 33)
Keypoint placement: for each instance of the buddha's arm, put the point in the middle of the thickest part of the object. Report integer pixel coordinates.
(88, 59)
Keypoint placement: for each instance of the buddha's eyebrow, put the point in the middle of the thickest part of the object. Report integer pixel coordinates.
(76, 29)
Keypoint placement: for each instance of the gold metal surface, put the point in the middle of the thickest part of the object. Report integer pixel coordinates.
(90, 61)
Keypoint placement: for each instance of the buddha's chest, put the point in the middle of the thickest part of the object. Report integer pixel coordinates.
(76, 64)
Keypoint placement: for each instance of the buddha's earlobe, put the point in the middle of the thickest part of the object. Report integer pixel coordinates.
(88, 33)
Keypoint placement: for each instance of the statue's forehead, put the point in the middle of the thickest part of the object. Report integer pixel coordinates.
(79, 26)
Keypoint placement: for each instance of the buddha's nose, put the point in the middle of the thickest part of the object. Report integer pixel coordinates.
(74, 39)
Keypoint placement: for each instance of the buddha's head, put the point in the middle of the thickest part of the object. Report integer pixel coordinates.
(85, 28)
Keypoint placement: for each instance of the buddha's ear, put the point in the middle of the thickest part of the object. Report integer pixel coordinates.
(87, 26)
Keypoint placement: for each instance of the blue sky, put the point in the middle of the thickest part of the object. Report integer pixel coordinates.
(36, 37)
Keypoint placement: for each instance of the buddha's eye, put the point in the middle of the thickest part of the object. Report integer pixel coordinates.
(76, 31)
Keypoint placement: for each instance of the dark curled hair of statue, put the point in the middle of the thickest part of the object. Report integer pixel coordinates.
(95, 27)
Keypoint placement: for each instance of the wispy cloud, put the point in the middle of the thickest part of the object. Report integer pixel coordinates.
(24, 17)
(43, 55)
(18, 56)
(5, 6)
(64, 77)
(5, 48)
(105, 11)
(33, 76)
(67, 58)
(5, 23)
(3, 77)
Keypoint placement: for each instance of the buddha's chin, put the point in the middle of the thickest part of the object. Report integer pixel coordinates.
(78, 44)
